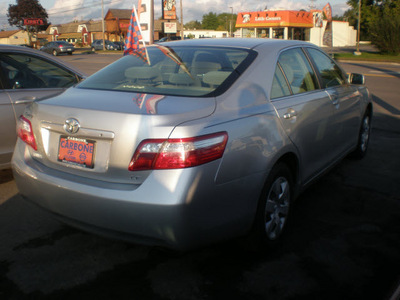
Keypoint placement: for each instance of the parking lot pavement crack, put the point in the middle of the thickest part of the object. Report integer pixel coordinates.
(47, 240)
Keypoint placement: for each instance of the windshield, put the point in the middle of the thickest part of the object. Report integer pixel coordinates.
(178, 70)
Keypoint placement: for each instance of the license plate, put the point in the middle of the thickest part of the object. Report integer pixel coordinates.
(79, 152)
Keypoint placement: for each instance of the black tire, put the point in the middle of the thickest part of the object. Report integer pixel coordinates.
(363, 137)
(55, 53)
(274, 206)
(69, 53)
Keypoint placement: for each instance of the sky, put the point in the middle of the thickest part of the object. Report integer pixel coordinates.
(64, 11)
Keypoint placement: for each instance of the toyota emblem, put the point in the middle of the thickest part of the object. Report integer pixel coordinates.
(71, 126)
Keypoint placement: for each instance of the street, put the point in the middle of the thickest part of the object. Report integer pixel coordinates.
(343, 242)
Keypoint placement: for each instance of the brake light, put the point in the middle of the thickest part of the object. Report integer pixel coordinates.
(60, 46)
(25, 132)
(158, 154)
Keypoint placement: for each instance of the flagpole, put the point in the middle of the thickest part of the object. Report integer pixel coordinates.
(152, 23)
(182, 35)
(102, 22)
(133, 37)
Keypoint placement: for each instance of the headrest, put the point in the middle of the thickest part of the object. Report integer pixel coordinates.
(141, 73)
(215, 77)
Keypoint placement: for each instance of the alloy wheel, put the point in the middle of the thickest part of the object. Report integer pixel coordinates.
(277, 208)
(364, 136)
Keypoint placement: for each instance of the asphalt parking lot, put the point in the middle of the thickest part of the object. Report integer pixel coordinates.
(343, 242)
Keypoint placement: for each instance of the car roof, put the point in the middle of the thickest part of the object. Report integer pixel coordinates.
(248, 43)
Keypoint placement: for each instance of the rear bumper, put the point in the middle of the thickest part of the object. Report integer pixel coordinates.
(176, 213)
(66, 50)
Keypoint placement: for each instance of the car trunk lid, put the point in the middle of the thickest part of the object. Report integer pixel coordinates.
(94, 134)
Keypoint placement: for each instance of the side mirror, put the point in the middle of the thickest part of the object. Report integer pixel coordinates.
(355, 78)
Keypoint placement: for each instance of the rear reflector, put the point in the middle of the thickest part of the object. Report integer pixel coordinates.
(155, 154)
(25, 132)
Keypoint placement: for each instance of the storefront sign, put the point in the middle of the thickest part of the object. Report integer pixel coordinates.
(258, 19)
(33, 21)
(169, 27)
(169, 9)
(144, 12)
(328, 12)
(275, 18)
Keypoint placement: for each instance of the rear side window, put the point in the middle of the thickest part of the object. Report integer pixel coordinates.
(174, 70)
(298, 72)
(331, 74)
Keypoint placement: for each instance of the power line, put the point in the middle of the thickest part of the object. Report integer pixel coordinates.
(63, 10)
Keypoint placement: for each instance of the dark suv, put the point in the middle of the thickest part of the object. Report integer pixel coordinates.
(58, 47)
(98, 45)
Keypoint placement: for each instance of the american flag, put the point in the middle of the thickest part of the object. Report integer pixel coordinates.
(132, 42)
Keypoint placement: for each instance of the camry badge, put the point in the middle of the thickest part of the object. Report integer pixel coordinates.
(71, 125)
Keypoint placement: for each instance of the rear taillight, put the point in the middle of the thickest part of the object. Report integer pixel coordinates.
(178, 153)
(25, 132)
(60, 46)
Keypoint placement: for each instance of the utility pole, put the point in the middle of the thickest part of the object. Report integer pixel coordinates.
(182, 35)
(358, 28)
(102, 22)
(230, 22)
(151, 41)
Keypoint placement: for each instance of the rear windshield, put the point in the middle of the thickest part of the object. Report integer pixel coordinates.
(177, 70)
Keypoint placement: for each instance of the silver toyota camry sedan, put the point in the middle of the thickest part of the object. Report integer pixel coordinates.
(192, 142)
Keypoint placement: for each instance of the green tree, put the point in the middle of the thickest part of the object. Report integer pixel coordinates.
(27, 9)
(380, 22)
(367, 15)
(210, 21)
(193, 25)
(226, 20)
(338, 18)
(385, 27)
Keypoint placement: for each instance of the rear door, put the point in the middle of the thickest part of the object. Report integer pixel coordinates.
(305, 110)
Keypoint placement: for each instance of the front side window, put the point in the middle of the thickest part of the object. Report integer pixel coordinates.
(331, 74)
(298, 72)
(23, 71)
(174, 70)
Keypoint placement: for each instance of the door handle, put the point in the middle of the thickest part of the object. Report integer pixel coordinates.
(25, 100)
(291, 113)
(335, 100)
